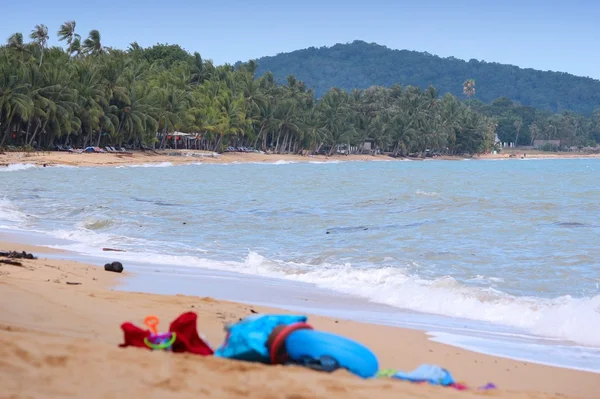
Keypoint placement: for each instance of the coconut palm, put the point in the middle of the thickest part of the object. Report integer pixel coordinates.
(39, 34)
(16, 41)
(469, 88)
(67, 32)
(15, 104)
(518, 124)
(92, 45)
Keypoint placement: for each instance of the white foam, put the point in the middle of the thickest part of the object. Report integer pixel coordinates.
(567, 318)
(11, 212)
(16, 167)
(66, 166)
(282, 162)
(148, 165)
(427, 193)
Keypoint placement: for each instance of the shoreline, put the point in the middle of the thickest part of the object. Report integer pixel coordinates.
(90, 314)
(311, 299)
(55, 158)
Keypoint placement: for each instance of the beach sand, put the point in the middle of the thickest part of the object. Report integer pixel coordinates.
(52, 158)
(59, 340)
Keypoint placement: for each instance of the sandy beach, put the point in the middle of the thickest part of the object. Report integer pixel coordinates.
(60, 339)
(52, 158)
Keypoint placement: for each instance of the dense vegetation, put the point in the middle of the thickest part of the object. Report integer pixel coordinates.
(361, 65)
(89, 94)
(525, 124)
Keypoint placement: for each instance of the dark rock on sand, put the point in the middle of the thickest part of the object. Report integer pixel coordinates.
(116, 267)
(17, 255)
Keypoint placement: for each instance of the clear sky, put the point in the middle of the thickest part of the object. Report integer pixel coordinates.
(548, 35)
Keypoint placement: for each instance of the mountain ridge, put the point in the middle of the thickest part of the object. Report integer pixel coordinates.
(360, 65)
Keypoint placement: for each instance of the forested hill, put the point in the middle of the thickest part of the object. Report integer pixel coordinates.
(361, 65)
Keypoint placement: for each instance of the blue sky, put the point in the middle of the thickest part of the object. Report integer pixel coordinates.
(548, 35)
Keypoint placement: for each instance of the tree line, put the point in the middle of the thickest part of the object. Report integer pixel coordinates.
(524, 125)
(86, 93)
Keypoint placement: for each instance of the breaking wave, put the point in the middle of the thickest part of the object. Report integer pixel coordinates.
(10, 212)
(16, 167)
(148, 165)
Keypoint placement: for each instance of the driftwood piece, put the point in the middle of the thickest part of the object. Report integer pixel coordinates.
(11, 262)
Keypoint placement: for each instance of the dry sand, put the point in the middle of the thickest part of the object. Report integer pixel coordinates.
(61, 341)
(108, 159)
(138, 157)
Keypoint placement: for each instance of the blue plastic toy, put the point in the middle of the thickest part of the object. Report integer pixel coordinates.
(328, 352)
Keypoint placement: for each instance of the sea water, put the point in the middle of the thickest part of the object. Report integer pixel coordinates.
(496, 256)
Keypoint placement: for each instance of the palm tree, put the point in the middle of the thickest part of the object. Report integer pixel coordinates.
(16, 41)
(534, 131)
(67, 32)
(469, 88)
(15, 104)
(40, 35)
(92, 45)
(518, 124)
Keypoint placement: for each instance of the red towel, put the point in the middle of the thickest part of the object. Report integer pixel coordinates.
(186, 339)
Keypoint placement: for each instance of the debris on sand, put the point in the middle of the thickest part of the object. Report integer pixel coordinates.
(17, 255)
(116, 267)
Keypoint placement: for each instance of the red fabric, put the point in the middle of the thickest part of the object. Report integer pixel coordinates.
(187, 338)
(459, 386)
(134, 336)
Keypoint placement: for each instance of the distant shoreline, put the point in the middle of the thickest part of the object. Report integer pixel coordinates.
(54, 158)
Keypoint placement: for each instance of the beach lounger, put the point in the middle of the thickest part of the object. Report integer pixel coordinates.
(121, 150)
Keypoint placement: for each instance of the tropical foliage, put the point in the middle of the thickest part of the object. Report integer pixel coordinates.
(90, 94)
(523, 125)
(361, 65)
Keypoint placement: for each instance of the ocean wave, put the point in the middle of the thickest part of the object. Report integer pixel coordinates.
(148, 165)
(10, 212)
(574, 319)
(16, 167)
(91, 223)
(282, 162)
(565, 318)
(60, 166)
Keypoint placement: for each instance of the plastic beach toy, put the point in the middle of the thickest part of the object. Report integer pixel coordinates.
(158, 341)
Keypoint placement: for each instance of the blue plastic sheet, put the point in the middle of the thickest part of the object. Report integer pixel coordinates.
(430, 373)
(247, 339)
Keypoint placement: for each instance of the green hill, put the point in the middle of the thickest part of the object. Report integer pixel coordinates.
(361, 65)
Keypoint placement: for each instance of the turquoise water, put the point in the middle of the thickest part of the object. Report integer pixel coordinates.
(512, 243)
